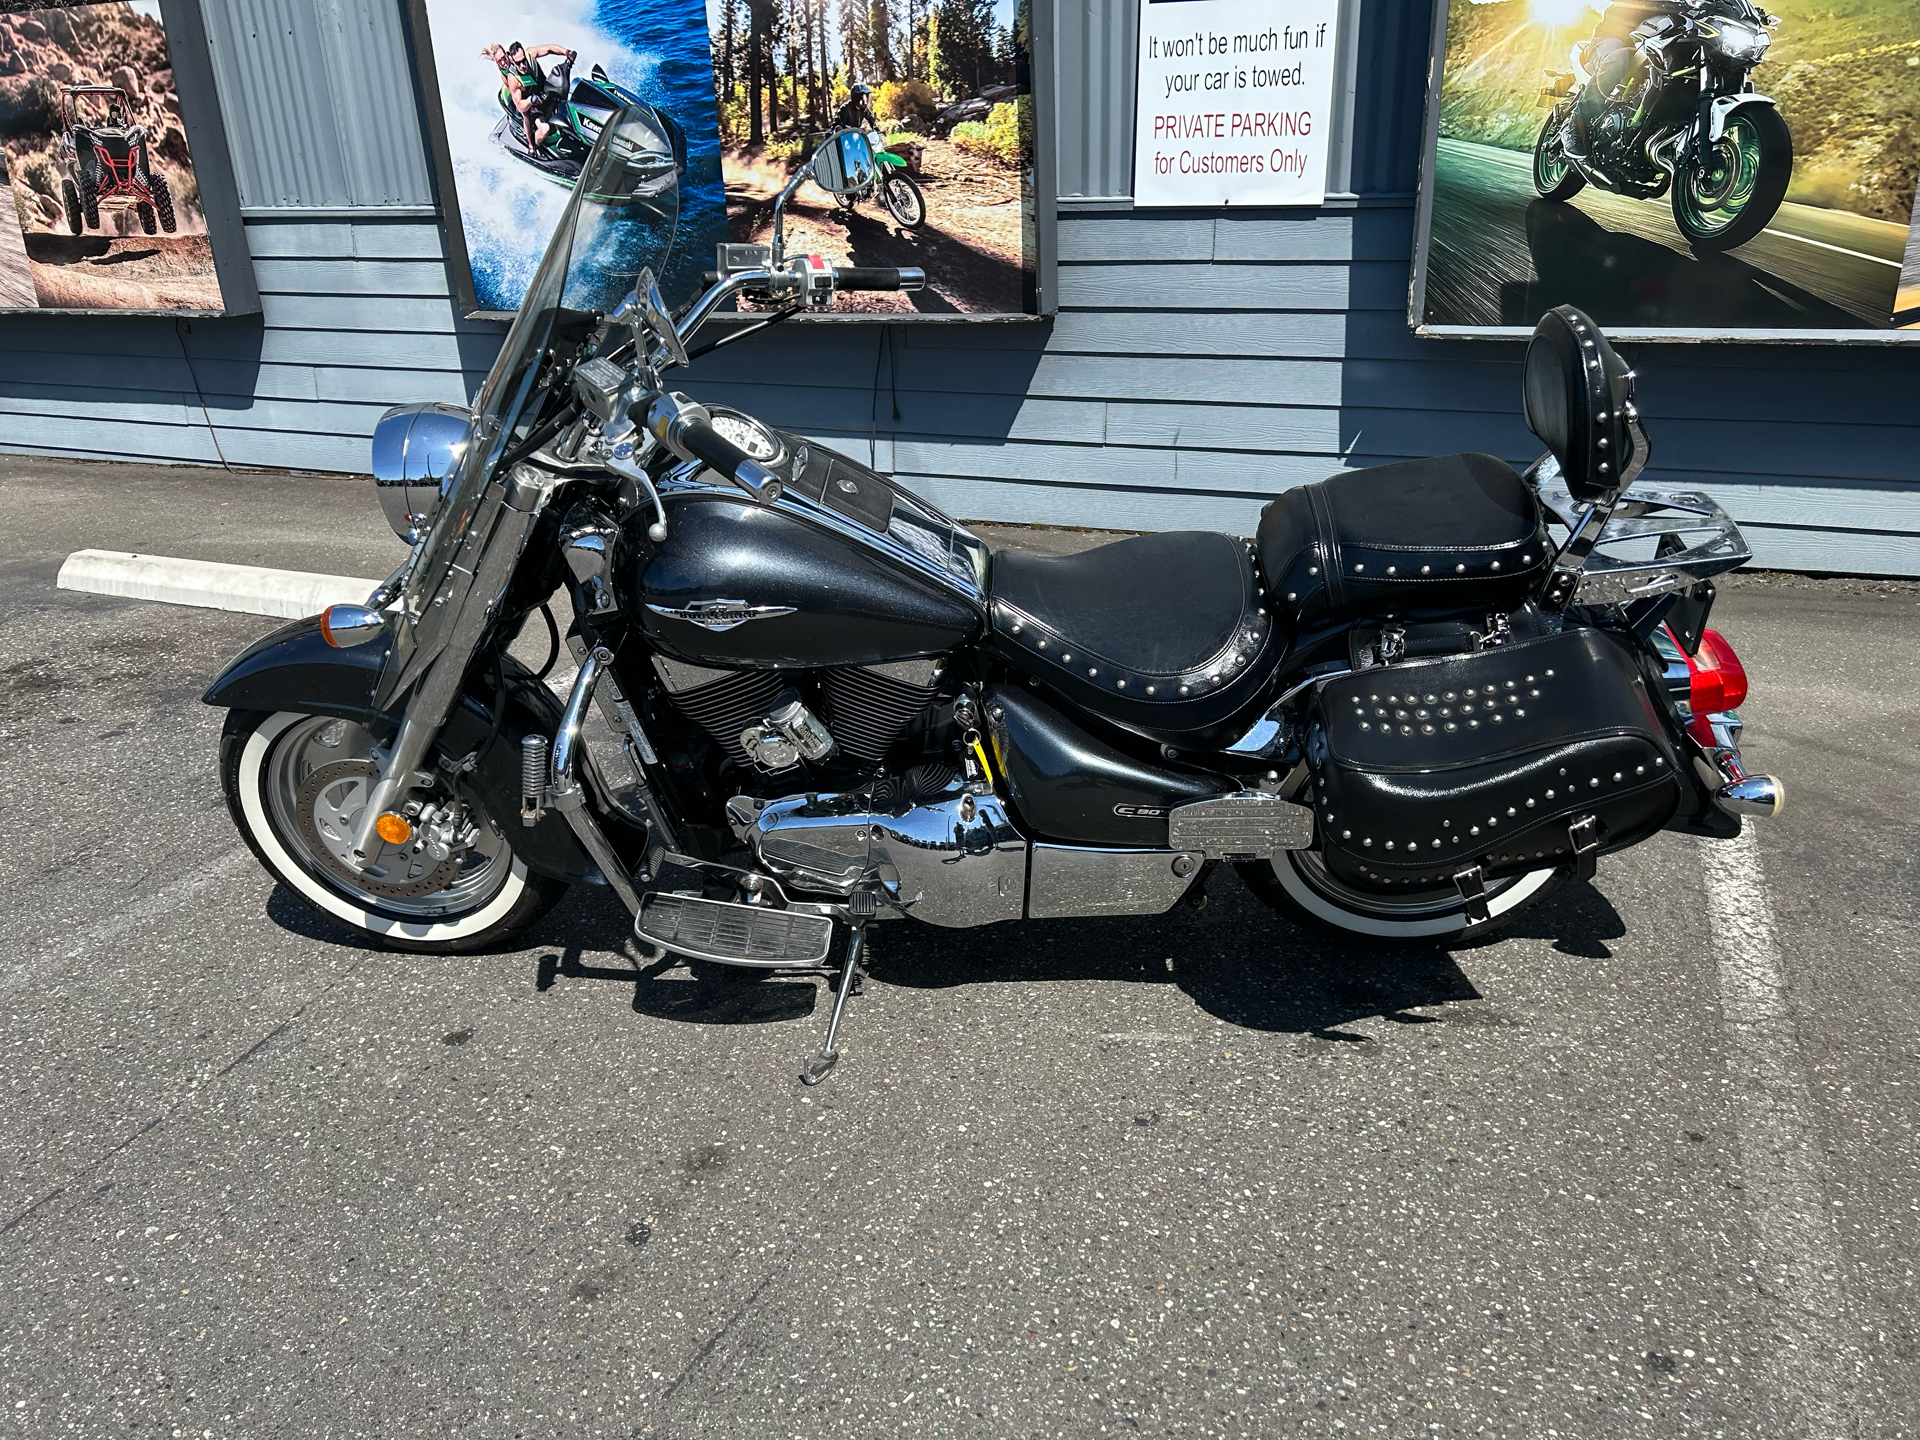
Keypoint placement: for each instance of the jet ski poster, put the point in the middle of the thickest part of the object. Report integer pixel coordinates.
(524, 87)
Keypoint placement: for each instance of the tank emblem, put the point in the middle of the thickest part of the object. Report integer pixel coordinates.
(720, 614)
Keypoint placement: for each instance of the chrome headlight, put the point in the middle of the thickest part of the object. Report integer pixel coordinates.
(415, 449)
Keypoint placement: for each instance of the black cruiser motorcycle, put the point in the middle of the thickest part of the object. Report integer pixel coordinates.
(1403, 711)
(1684, 121)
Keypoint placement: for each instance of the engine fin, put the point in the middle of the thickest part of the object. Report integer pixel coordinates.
(868, 707)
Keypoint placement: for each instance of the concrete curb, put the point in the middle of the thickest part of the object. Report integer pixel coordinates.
(249, 589)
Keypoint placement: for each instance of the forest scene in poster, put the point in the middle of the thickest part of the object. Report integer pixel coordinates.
(755, 87)
(1837, 143)
(106, 206)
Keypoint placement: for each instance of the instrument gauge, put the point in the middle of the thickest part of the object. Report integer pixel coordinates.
(748, 433)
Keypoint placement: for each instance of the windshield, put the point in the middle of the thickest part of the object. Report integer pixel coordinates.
(619, 221)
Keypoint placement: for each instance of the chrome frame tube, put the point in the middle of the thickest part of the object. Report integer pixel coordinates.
(564, 790)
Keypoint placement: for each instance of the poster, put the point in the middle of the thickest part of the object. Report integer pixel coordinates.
(1233, 102)
(106, 211)
(510, 191)
(949, 84)
(940, 91)
(1795, 218)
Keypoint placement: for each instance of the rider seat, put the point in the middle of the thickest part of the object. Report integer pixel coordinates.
(1414, 540)
(1164, 634)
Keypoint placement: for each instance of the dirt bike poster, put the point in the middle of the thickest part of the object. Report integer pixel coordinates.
(108, 212)
(930, 103)
(1740, 169)
(933, 98)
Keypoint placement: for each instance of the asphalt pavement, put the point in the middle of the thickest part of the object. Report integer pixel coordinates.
(1499, 255)
(1644, 1168)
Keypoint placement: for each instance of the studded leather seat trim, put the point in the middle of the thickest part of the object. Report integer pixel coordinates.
(1242, 644)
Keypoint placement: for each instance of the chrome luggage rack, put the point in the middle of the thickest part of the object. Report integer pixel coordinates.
(1682, 537)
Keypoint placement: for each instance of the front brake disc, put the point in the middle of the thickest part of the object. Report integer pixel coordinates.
(329, 806)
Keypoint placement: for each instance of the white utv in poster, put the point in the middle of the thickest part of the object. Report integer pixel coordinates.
(1234, 102)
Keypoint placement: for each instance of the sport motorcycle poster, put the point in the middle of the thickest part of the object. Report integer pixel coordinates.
(1704, 167)
(934, 98)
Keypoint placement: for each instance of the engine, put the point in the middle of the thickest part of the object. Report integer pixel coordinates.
(767, 723)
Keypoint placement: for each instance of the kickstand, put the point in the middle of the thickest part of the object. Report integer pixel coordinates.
(849, 978)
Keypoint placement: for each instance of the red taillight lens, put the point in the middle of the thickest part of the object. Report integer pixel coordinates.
(1719, 680)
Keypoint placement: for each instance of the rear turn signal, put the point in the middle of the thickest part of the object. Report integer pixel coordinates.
(1718, 679)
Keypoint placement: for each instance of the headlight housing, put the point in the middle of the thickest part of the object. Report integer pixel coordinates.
(1744, 43)
(416, 448)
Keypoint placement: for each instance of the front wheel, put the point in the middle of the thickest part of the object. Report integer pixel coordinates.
(70, 199)
(904, 201)
(1298, 885)
(1731, 201)
(296, 786)
(1554, 176)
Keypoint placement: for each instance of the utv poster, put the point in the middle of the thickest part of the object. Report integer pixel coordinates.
(1567, 164)
(940, 93)
(106, 210)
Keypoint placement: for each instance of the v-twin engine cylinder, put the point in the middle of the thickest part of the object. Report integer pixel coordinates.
(947, 855)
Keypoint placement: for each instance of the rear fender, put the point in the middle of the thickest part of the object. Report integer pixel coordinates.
(294, 668)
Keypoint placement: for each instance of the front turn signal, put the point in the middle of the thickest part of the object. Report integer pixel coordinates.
(345, 625)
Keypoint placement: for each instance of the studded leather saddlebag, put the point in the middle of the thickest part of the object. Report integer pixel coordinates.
(1536, 753)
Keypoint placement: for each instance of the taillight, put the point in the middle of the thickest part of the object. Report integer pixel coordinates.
(1717, 679)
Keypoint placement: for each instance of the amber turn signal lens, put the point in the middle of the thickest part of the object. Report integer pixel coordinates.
(393, 829)
(345, 625)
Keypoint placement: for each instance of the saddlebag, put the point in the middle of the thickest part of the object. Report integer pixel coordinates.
(1534, 753)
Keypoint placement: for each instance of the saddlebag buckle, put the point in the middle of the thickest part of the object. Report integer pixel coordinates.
(1583, 836)
(1472, 884)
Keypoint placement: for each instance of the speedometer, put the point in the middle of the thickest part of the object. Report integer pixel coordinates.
(746, 432)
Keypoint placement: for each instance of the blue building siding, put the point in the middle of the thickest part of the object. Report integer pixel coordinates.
(1200, 363)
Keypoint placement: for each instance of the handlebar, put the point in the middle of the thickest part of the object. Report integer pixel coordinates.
(684, 428)
(878, 277)
(704, 442)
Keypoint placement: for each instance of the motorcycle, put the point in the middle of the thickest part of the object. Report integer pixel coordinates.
(853, 164)
(578, 110)
(1684, 121)
(1401, 711)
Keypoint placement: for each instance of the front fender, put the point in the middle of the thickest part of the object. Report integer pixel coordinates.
(294, 668)
(1721, 106)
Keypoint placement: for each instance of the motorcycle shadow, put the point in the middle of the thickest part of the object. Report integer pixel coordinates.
(1235, 959)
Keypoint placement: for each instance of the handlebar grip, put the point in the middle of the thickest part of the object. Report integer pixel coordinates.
(703, 442)
(878, 277)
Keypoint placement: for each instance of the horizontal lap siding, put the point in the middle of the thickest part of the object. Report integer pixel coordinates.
(356, 317)
(1202, 363)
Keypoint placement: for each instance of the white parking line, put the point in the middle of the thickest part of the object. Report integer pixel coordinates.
(250, 589)
(1815, 1371)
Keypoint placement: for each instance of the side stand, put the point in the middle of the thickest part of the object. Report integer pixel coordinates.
(849, 977)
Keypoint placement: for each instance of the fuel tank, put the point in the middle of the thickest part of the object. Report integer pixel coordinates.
(843, 569)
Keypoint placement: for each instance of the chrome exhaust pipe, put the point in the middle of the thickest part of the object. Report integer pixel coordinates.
(1755, 795)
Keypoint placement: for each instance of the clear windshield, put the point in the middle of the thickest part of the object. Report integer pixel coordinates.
(619, 221)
